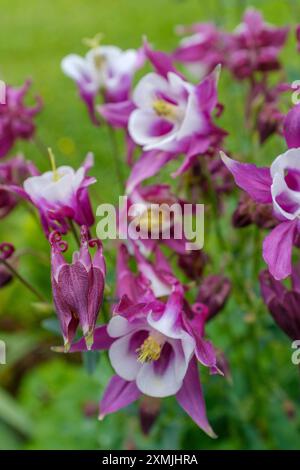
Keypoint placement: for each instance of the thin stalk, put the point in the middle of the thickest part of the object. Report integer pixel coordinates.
(16, 274)
(214, 205)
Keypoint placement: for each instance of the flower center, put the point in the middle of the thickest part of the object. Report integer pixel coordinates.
(164, 109)
(149, 351)
(99, 61)
(152, 219)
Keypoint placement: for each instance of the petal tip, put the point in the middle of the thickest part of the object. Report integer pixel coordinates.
(89, 340)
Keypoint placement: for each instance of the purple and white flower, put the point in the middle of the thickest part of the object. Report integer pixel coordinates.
(172, 117)
(169, 112)
(59, 195)
(104, 69)
(280, 186)
(154, 348)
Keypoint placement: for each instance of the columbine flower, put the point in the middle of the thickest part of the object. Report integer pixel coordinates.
(172, 116)
(16, 119)
(153, 348)
(202, 50)
(255, 46)
(169, 112)
(77, 287)
(282, 303)
(157, 216)
(279, 185)
(13, 171)
(59, 195)
(105, 69)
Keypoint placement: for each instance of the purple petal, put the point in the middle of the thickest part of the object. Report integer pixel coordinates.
(206, 354)
(102, 341)
(118, 394)
(190, 398)
(116, 114)
(148, 165)
(255, 181)
(277, 249)
(161, 61)
(291, 127)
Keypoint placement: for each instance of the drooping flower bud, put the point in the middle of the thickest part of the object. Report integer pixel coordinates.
(214, 292)
(77, 287)
(250, 212)
(283, 304)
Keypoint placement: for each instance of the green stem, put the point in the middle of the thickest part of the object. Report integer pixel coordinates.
(16, 274)
(214, 205)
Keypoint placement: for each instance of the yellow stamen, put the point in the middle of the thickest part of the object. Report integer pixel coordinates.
(53, 165)
(149, 351)
(99, 60)
(94, 42)
(164, 109)
(152, 219)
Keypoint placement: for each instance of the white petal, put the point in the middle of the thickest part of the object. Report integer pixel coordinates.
(119, 326)
(123, 360)
(159, 288)
(140, 125)
(193, 121)
(278, 187)
(74, 67)
(45, 186)
(289, 159)
(145, 91)
(156, 385)
(170, 381)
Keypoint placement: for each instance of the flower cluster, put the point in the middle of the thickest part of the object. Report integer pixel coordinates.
(154, 328)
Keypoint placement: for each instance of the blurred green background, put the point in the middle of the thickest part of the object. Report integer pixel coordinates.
(50, 402)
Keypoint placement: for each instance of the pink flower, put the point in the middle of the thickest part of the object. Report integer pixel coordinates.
(104, 69)
(77, 287)
(16, 119)
(202, 51)
(255, 46)
(279, 185)
(59, 195)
